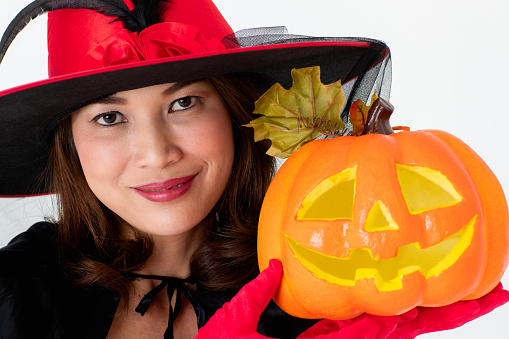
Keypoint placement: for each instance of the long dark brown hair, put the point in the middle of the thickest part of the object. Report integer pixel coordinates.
(92, 249)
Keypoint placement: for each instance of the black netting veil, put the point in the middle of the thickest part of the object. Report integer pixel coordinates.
(368, 73)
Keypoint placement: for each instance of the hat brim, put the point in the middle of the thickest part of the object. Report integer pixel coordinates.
(28, 112)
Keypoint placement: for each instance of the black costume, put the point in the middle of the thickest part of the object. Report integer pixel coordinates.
(36, 300)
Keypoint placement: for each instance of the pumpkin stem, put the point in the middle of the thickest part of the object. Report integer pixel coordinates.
(378, 118)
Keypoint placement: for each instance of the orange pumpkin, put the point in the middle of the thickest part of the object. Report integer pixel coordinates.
(382, 224)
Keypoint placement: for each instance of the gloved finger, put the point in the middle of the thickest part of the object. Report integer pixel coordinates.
(239, 317)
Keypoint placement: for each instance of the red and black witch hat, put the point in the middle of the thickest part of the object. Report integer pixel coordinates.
(99, 47)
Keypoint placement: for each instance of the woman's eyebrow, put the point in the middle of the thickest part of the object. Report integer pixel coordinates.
(111, 99)
(177, 86)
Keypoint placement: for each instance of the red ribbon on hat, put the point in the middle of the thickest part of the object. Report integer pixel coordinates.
(162, 40)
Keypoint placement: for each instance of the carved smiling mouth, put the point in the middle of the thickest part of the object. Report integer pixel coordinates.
(387, 273)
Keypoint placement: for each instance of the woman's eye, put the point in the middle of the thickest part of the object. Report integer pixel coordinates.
(109, 118)
(183, 103)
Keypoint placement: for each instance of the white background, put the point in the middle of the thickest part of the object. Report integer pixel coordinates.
(450, 72)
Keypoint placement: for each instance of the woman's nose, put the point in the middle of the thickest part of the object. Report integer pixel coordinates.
(154, 144)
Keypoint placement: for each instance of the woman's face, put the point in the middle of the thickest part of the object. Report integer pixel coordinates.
(160, 156)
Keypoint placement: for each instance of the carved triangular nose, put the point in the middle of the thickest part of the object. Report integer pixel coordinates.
(380, 219)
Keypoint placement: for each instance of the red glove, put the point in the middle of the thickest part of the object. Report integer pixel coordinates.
(239, 318)
(412, 323)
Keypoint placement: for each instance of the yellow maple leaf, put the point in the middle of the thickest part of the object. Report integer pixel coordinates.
(291, 118)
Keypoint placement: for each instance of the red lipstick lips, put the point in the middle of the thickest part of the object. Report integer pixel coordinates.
(167, 190)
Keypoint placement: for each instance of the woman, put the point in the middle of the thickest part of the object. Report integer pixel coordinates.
(161, 158)
(139, 131)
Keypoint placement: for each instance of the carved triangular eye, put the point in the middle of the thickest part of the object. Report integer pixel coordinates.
(425, 189)
(331, 199)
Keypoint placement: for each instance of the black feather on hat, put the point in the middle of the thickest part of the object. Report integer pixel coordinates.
(145, 13)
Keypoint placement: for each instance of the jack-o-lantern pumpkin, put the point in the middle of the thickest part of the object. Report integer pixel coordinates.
(382, 224)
